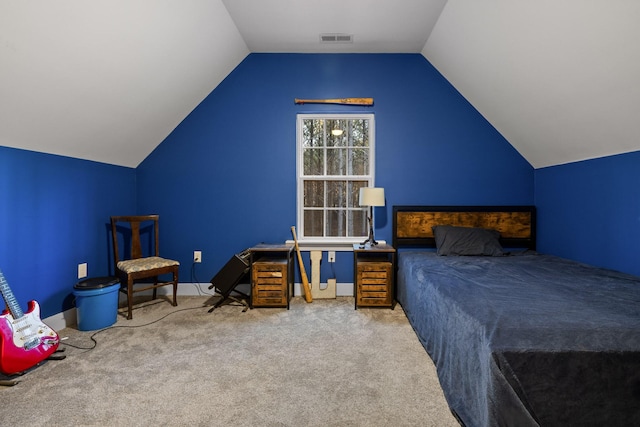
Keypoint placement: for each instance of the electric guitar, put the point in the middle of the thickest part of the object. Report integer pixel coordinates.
(24, 340)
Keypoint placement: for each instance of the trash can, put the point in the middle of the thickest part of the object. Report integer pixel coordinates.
(96, 302)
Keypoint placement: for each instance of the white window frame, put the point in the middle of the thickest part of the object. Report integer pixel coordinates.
(329, 243)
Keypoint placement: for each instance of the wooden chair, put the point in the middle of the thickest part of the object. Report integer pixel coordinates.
(140, 262)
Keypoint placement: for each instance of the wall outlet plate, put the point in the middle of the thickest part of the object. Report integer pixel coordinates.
(197, 256)
(82, 270)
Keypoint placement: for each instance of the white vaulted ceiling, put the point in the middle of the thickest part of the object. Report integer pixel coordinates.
(108, 80)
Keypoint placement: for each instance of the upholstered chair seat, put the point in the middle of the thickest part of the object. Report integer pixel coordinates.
(144, 264)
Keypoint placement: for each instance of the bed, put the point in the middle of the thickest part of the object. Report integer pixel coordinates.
(518, 338)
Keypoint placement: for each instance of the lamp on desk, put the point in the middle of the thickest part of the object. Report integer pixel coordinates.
(371, 196)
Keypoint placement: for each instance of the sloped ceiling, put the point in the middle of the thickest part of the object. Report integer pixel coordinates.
(559, 79)
(108, 80)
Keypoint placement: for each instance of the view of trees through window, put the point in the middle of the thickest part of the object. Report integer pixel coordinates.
(334, 160)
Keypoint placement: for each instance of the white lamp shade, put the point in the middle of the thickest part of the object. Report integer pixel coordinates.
(371, 196)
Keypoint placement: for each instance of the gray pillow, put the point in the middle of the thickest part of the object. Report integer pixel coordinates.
(452, 240)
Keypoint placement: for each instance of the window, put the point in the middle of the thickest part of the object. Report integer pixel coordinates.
(335, 158)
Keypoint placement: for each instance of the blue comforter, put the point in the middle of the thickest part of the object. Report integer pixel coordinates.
(527, 340)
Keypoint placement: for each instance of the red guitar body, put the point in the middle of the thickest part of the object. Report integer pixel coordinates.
(25, 341)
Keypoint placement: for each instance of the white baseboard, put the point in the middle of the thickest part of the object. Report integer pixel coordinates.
(342, 289)
(61, 320)
(69, 318)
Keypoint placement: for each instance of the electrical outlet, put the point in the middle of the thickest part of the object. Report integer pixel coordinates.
(82, 270)
(331, 255)
(197, 256)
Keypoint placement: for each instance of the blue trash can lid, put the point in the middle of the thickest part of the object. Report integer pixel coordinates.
(96, 283)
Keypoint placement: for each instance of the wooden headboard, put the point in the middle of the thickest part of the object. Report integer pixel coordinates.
(516, 224)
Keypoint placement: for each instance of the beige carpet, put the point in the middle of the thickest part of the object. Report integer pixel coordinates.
(318, 364)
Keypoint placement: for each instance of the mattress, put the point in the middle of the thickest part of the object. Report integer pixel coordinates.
(527, 340)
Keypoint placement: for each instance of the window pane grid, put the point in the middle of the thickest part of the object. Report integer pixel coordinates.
(336, 159)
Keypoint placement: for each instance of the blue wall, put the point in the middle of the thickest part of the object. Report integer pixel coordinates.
(590, 211)
(53, 216)
(225, 179)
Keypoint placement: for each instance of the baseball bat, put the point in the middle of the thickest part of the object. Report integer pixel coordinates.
(343, 101)
(303, 272)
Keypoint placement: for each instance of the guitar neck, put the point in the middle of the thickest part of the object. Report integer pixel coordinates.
(9, 298)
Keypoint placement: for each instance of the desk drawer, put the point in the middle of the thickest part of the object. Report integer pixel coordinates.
(269, 283)
(373, 283)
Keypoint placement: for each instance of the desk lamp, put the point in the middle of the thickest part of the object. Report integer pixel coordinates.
(370, 196)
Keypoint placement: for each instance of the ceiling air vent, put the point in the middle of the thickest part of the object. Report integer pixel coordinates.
(336, 38)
